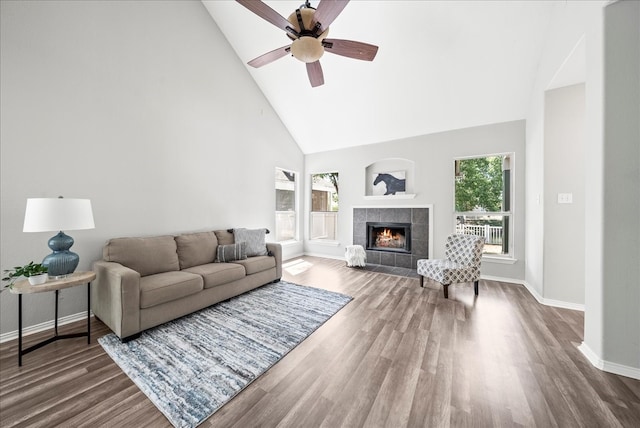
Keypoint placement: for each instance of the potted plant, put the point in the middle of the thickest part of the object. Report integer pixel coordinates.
(36, 273)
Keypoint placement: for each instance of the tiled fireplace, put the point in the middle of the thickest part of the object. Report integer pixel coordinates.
(395, 237)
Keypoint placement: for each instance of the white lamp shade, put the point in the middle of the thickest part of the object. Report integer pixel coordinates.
(51, 214)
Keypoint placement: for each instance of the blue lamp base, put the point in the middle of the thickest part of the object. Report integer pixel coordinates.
(61, 262)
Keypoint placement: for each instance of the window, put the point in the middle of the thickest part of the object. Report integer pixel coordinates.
(483, 200)
(324, 206)
(285, 205)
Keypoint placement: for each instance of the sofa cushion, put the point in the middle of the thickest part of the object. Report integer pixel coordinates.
(147, 255)
(255, 239)
(196, 248)
(168, 286)
(215, 274)
(257, 264)
(224, 237)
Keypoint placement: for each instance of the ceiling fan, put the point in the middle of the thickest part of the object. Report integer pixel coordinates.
(308, 28)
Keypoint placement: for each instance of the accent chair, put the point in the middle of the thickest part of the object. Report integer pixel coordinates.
(462, 263)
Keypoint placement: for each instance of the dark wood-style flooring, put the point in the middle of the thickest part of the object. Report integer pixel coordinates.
(396, 356)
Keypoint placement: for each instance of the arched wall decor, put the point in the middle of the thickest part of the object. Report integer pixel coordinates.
(390, 178)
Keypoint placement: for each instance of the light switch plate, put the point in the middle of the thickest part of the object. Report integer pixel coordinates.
(565, 198)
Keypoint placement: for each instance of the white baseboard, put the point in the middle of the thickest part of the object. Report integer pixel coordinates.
(325, 256)
(537, 296)
(607, 366)
(47, 325)
(530, 289)
(615, 368)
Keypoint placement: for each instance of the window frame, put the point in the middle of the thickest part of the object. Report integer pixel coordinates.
(296, 211)
(328, 241)
(509, 214)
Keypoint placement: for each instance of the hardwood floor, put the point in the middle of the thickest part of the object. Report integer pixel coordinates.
(397, 356)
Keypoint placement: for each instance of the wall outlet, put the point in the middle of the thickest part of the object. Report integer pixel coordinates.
(565, 198)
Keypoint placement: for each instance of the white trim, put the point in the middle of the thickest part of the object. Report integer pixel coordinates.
(499, 260)
(552, 302)
(383, 197)
(325, 256)
(47, 325)
(607, 366)
(536, 295)
(327, 242)
(287, 243)
(430, 206)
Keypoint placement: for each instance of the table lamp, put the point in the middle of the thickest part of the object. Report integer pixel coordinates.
(51, 214)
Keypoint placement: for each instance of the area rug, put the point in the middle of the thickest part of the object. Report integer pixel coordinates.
(192, 366)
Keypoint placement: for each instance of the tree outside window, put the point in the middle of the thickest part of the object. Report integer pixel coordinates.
(483, 199)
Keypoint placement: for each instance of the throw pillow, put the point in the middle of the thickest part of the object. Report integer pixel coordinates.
(196, 249)
(255, 239)
(225, 237)
(231, 252)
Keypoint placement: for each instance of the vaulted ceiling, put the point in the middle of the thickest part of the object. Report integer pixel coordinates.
(441, 65)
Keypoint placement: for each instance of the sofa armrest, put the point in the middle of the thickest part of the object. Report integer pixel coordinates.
(276, 249)
(115, 297)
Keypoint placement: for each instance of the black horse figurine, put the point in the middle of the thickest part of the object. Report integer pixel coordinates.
(393, 184)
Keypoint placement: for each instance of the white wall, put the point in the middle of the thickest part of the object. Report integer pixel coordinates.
(140, 106)
(433, 157)
(564, 227)
(570, 23)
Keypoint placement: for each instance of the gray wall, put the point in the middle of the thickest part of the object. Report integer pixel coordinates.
(611, 178)
(142, 107)
(621, 185)
(564, 227)
(432, 157)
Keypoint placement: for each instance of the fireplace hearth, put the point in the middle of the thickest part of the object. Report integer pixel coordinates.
(392, 237)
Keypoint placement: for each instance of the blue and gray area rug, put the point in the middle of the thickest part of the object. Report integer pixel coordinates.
(192, 366)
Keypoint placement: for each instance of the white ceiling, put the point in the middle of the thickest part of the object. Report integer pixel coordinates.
(441, 65)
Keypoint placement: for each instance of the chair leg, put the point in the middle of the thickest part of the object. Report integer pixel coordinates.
(446, 290)
(475, 287)
(421, 281)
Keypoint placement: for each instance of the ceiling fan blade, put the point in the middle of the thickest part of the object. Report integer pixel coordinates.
(327, 11)
(314, 70)
(351, 49)
(268, 14)
(269, 57)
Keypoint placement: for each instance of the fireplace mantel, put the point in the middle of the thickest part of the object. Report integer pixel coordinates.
(388, 197)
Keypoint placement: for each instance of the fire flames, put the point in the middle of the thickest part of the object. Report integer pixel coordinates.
(386, 238)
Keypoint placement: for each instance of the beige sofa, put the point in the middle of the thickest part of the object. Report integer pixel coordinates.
(147, 281)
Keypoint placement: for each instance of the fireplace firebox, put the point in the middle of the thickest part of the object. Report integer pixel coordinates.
(391, 237)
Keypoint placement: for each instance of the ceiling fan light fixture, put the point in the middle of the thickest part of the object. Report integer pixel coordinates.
(307, 49)
(307, 28)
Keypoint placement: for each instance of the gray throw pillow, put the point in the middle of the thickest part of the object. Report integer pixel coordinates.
(255, 239)
(231, 252)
